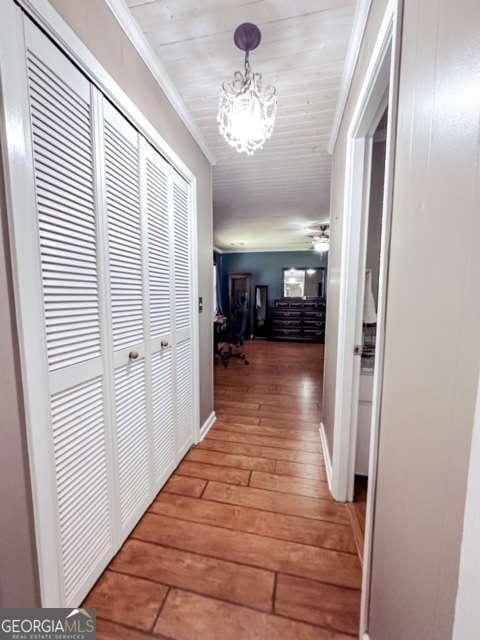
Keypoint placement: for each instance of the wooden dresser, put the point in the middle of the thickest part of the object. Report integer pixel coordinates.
(298, 319)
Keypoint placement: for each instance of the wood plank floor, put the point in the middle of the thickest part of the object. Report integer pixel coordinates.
(244, 541)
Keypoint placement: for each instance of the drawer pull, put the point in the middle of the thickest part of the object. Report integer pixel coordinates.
(133, 355)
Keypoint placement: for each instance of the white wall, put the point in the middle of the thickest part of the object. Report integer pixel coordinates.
(432, 342)
(18, 569)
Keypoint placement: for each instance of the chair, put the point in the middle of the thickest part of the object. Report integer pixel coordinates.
(234, 335)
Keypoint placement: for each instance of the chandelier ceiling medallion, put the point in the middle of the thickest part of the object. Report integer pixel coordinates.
(246, 112)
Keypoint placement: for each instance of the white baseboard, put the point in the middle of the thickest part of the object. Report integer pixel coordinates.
(207, 425)
(326, 455)
(365, 636)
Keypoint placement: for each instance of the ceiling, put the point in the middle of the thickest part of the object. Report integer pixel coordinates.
(270, 200)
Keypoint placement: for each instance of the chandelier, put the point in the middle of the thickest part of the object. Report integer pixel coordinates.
(246, 112)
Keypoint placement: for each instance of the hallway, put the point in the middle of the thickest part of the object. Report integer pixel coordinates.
(244, 541)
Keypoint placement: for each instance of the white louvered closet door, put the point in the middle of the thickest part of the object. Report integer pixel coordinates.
(63, 157)
(126, 300)
(157, 189)
(183, 335)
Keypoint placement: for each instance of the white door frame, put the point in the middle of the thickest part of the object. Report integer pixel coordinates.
(375, 94)
(379, 89)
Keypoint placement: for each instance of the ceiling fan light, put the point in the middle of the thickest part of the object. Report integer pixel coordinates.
(321, 246)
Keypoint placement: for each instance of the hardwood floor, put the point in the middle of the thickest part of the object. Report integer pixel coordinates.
(244, 541)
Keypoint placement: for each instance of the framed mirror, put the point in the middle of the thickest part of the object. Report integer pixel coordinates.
(304, 282)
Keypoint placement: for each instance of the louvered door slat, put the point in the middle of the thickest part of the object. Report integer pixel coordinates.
(126, 304)
(131, 438)
(163, 413)
(183, 300)
(184, 393)
(158, 248)
(61, 178)
(158, 219)
(124, 231)
(184, 362)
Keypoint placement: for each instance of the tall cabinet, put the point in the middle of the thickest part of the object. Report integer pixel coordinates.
(108, 344)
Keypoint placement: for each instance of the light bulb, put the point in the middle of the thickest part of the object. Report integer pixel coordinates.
(321, 246)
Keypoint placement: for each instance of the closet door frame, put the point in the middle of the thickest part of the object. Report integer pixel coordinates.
(17, 156)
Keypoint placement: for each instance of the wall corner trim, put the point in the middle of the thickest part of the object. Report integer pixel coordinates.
(207, 425)
(353, 51)
(326, 455)
(132, 30)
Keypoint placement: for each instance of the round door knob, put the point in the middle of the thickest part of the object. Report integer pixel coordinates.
(164, 343)
(133, 355)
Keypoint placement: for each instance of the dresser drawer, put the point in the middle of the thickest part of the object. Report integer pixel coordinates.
(286, 324)
(286, 314)
(313, 333)
(313, 324)
(284, 332)
(311, 315)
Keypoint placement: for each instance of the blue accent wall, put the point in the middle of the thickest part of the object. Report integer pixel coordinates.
(266, 268)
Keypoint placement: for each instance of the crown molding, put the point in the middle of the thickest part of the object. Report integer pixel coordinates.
(136, 36)
(52, 23)
(280, 250)
(353, 51)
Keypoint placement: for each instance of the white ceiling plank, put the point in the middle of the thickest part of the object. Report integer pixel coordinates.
(267, 200)
(204, 20)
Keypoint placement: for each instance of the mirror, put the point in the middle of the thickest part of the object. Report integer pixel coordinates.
(304, 282)
(293, 283)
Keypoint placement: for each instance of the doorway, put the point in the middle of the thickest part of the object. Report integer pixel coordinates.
(367, 332)
(239, 297)
(362, 303)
